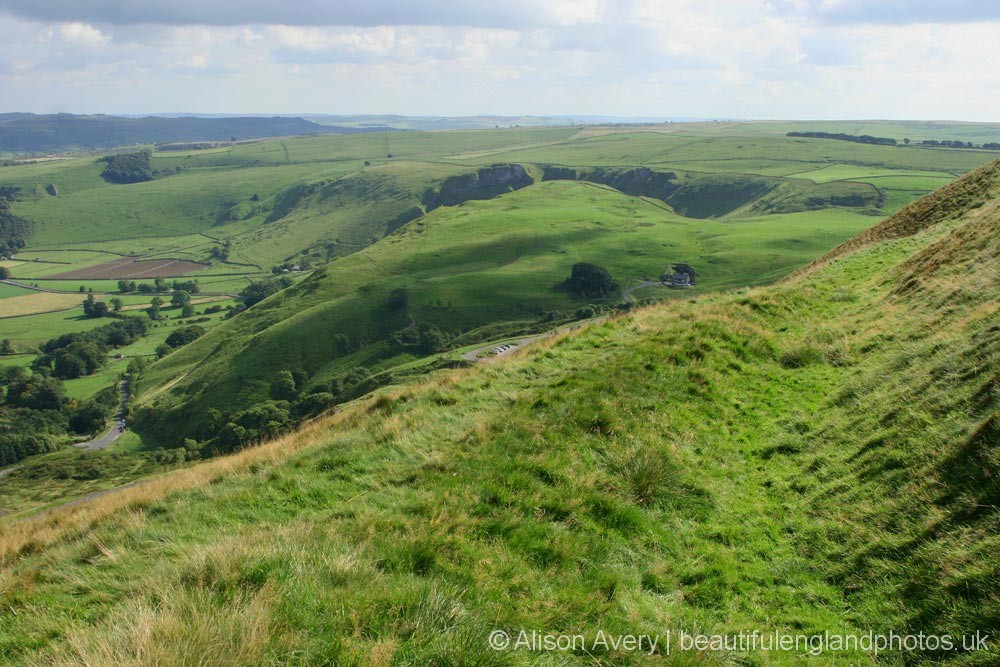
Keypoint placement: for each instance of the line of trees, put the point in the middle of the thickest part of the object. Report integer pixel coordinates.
(886, 141)
(951, 143)
(159, 285)
(840, 136)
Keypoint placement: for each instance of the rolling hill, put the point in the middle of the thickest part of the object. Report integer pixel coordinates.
(31, 134)
(813, 458)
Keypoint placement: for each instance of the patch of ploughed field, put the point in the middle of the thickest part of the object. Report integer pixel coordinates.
(133, 268)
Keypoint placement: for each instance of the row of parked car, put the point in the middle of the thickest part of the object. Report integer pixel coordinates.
(500, 349)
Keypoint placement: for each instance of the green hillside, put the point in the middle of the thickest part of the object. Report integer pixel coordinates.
(817, 456)
(465, 267)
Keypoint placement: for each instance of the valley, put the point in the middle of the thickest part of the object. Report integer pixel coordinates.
(396, 266)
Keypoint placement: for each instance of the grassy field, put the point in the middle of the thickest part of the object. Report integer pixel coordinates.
(7, 291)
(816, 456)
(37, 302)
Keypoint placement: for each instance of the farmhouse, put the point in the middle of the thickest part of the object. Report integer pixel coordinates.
(679, 276)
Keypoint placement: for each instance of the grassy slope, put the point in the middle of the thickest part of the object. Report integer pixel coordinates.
(816, 455)
(472, 265)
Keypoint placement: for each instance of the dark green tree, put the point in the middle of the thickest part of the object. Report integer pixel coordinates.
(590, 280)
(180, 298)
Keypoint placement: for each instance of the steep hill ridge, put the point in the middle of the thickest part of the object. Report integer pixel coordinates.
(720, 195)
(816, 456)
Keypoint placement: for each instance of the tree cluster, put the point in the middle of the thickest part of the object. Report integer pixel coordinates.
(37, 416)
(94, 308)
(423, 339)
(292, 401)
(77, 354)
(256, 292)
(128, 167)
(590, 281)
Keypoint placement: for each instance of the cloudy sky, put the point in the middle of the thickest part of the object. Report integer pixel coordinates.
(705, 58)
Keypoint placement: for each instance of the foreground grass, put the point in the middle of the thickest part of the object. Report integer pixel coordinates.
(815, 456)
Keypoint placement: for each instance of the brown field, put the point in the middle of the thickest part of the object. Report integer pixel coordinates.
(39, 302)
(133, 268)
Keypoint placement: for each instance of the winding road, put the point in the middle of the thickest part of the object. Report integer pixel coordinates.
(115, 433)
(627, 293)
(481, 354)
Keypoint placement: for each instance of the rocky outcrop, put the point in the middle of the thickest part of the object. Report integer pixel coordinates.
(635, 181)
(484, 183)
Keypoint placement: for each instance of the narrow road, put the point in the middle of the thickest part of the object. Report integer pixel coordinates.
(627, 293)
(115, 432)
(481, 353)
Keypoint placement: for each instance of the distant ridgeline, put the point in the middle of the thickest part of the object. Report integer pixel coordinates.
(887, 141)
(25, 133)
(13, 229)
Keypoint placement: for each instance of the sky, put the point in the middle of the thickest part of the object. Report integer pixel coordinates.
(803, 59)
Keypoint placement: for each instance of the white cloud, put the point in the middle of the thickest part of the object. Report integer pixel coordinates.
(710, 58)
